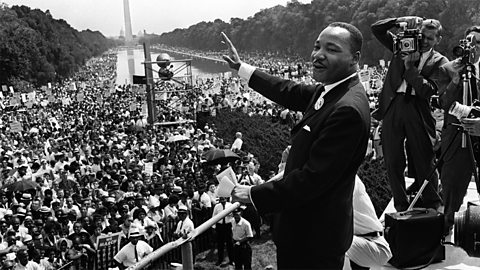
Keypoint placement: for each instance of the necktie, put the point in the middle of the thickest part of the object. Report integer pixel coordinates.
(319, 101)
(473, 84)
(136, 253)
(224, 222)
(408, 91)
(180, 227)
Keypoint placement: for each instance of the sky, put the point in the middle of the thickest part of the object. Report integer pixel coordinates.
(154, 16)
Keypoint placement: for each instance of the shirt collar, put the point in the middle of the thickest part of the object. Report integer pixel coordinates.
(329, 87)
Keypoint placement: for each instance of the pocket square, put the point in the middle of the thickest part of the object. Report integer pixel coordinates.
(307, 128)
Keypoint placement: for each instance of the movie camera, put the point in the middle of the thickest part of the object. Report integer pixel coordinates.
(466, 49)
(467, 230)
(407, 40)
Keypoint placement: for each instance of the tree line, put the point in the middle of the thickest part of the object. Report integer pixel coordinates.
(36, 48)
(291, 29)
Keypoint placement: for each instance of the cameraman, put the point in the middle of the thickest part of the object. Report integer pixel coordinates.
(404, 107)
(457, 164)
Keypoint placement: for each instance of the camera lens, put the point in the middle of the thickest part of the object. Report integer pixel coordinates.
(457, 51)
(467, 227)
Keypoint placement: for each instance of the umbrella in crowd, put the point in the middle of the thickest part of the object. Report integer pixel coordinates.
(177, 138)
(219, 156)
(22, 186)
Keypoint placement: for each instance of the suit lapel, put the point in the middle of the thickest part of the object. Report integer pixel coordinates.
(332, 96)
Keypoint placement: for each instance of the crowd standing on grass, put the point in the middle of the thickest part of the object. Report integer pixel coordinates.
(93, 165)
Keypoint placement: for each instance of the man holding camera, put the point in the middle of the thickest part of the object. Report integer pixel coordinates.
(404, 104)
(458, 164)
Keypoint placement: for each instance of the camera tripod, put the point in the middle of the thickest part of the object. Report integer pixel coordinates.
(462, 131)
(467, 75)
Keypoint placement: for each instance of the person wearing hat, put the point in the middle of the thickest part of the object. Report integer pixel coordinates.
(33, 253)
(26, 199)
(132, 252)
(241, 234)
(185, 224)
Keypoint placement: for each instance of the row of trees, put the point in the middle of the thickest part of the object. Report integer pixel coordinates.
(36, 48)
(291, 29)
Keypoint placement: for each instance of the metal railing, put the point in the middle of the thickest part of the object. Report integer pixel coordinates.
(184, 243)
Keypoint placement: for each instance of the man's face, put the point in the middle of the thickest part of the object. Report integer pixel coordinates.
(477, 47)
(69, 202)
(16, 223)
(134, 240)
(77, 228)
(430, 39)
(331, 56)
(35, 205)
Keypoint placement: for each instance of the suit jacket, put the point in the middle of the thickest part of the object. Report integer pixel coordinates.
(422, 82)
(314, 199)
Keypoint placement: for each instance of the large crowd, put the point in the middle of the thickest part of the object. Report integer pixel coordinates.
(79, 160)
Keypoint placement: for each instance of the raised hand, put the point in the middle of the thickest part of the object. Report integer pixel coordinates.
(232, 58)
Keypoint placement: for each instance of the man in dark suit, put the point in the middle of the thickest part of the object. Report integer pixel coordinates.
(313, 202)
(458, 165)
(404, 106)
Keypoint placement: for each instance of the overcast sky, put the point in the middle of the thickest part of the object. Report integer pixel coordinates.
(154, 16)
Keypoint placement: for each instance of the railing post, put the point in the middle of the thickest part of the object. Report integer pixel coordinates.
(187, 256)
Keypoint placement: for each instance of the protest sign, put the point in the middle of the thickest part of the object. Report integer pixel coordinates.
(107, 247)
(149, 168)
(16, 127)
(133, 107)
(80, 97)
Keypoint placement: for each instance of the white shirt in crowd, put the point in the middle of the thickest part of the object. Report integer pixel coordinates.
(237, 144)
(219, 207)
(126, 255)
(185, 226)
(241, 230)
(366, 251)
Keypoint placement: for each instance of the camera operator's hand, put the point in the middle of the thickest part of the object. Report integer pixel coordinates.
(455, 69)
(410, 59)
(412, 21)
(232, 58)
(471, 125)
(241, 193)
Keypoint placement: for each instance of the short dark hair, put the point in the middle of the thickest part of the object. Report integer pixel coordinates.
(356, 37)
(475, 28)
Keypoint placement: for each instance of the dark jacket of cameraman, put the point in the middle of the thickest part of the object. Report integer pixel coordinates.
(424, 86)
(457, 166)
(407, 119)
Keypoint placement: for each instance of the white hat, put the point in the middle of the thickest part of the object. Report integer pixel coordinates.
(134, 232)
(182, 208)
(27, 238)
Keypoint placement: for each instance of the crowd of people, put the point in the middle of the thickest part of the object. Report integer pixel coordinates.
(81, 162)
